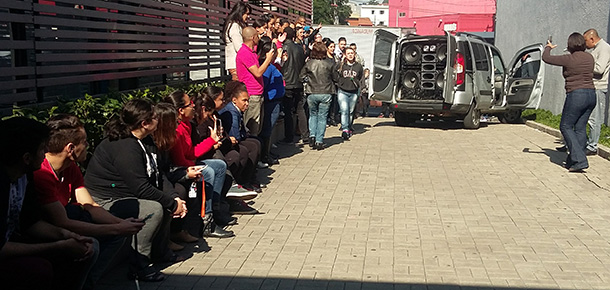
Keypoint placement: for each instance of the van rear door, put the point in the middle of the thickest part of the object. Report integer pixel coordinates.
(384, 63)
(525, 79)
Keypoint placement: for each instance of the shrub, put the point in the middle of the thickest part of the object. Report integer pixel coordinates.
(94, 112)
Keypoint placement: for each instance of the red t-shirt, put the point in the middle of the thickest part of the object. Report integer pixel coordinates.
(246, 58)
(51, 188)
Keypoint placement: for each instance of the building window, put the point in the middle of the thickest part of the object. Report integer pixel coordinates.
(401, 14)
(381, 11)
(372, 12)
(381, 23)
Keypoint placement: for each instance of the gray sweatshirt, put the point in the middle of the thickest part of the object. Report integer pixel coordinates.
(601, 54)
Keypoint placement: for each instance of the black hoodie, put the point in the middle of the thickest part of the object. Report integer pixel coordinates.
(349, 76)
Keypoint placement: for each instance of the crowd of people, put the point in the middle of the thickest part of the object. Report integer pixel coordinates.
(292, 72)
(193, 154)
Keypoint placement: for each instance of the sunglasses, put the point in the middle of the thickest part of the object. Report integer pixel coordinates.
(191, 104)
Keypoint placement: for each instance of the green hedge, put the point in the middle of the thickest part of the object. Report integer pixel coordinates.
(94, 112)
(547, 118)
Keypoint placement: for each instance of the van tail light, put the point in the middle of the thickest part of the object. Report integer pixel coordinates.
(458, 68)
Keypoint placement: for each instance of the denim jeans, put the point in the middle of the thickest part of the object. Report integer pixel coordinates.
(318, 110)
(347, 103)
(272, 113)
(596, 120)
(576, 111)
(214, 178)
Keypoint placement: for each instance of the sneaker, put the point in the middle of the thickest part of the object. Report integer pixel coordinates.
(381, 115)
(240, 207)
(252, 187)
(345, 135)
(239, 192)
(318, 146)
(591, 152)
(312, 141)
(261, 165)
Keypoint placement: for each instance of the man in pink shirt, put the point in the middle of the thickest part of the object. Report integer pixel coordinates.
(251, 73)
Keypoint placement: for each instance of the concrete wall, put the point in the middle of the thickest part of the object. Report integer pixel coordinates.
(523, 22)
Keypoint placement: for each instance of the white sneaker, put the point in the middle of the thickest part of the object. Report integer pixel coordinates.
(238, 192)
(261, 165)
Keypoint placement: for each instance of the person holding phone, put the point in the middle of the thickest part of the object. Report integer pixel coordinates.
(580, 100)
(236, 155)
(184, 153)
(274, 89)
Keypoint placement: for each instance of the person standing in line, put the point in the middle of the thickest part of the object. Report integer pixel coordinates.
(274, 90)
(601, 54)
(358, 58)
(320, 81)
(293, 102)
(232, 35)
(251, 73)
(580, 99)
(331, 58)
(340, 48)
(350, 75)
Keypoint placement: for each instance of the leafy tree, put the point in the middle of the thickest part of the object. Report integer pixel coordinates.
(324, 11)
(372, 2)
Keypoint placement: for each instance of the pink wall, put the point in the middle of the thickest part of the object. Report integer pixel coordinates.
(469, 15)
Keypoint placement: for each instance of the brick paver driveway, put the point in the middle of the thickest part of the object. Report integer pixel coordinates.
(427, 207)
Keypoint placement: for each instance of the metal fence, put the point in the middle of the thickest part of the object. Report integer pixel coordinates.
(71, 47)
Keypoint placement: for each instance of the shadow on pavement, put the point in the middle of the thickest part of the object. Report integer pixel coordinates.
(249, 283)
(434, 124)
(555, 156)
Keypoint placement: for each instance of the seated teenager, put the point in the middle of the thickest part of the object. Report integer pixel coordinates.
(235, 155)
(34, 254)
(181, 150)
(66, 202)
(237, 99)
(124, 178)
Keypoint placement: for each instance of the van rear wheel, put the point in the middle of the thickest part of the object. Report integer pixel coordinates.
(473, 117)
(512, 116)
(403, 119)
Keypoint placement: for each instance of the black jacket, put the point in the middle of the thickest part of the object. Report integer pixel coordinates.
(118, 169)
(293, 65)
(319, 77)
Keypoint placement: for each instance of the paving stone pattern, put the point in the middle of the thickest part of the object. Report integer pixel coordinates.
(427, 207)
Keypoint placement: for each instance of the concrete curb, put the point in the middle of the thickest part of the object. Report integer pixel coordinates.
(602, 150)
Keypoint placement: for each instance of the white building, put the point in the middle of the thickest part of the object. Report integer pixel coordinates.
(355, 9)
(379, 14)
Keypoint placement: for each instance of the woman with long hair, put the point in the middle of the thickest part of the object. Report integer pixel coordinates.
(333, 110)
(319, 80)
(273, 92)
(185, 153)
(179, 177)
(348, 83)
(123, 177)
(580, 100)
(231, 34)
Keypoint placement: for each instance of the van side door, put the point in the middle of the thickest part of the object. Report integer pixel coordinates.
(384, 63)
(499, 73)
(525, 79)
(482, 75)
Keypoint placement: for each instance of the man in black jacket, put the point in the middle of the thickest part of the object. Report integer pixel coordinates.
(293, 102)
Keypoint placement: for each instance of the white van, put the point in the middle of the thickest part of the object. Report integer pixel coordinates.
(454, 77)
